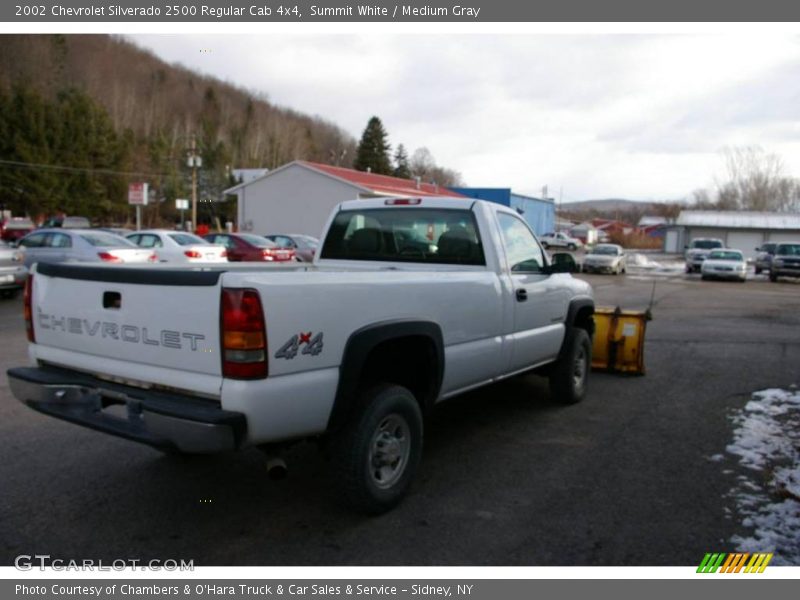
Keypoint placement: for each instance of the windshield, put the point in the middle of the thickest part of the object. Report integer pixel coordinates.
(725, 255)
(187, 239)
(606, 250)
(788, 250)
(418, 235)
(106, 240)
(706, 244)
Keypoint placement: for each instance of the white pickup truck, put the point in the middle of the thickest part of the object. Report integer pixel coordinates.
(409, 302)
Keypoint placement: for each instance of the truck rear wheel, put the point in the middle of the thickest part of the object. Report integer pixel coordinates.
(569, 378)
(376, 454)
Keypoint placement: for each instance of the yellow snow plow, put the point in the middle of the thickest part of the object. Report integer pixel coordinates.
(619, 340)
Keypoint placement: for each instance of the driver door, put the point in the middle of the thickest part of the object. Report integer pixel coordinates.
(538, 303)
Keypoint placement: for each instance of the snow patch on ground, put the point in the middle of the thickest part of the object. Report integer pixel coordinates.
(766, 441)
(638, 260)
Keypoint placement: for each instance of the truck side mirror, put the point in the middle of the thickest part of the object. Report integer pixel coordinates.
(563, 262)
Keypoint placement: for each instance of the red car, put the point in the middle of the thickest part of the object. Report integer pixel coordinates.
(250, 247)
(15, 228)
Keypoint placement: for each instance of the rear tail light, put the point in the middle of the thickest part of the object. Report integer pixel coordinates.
(108, 257)
(152, 258)
(27, 302)
(224, 254)
(267, 254)
(243, 334)
(193, 254)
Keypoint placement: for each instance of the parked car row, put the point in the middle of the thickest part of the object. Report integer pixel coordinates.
(160, 245)
(713, 260)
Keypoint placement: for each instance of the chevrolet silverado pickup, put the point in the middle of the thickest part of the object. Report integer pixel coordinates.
(352, 350)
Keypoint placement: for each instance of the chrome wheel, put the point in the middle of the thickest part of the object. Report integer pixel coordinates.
(389, 450)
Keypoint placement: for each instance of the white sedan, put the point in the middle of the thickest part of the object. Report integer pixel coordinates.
(179, 246)
(724, 264)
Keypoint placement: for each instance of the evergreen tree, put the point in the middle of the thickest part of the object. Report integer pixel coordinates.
(401, 167)
(373, 151)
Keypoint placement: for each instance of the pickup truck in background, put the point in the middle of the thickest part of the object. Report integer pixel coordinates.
(352, 350)
(698, 250)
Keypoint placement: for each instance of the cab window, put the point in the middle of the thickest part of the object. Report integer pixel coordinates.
(522, 250)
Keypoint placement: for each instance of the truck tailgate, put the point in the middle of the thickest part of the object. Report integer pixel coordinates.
(150, 325)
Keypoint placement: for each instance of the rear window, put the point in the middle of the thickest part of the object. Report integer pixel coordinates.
(788, 249)
(187, 239)
(257, 240)
(100, 239)
(19, 224)
(307, 241)
(706, 244)
(414, 235)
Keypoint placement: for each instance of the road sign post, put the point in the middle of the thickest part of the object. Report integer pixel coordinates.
(182, 204)
(137, 196)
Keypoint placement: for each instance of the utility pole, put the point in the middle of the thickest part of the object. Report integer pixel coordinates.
(194, 162)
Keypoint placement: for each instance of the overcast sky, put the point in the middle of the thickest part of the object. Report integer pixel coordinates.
(631, 116)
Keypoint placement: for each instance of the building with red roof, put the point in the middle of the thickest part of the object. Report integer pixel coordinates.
(298, 197)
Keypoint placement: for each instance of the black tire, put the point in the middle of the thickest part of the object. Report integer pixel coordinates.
(9, 294)
(570, 375)
(389, 421)
(773, 277)
(758, 270)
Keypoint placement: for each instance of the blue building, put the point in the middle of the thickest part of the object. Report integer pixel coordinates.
(540, 213)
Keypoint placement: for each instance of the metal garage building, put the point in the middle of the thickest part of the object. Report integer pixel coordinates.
(540, 213)
(742, 230)
(298, 197)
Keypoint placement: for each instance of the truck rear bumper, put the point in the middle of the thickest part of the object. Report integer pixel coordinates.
(161, 419)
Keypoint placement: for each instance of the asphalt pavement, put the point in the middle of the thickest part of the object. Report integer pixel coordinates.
(507, 477)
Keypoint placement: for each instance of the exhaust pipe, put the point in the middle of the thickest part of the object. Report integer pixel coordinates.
(276, 468)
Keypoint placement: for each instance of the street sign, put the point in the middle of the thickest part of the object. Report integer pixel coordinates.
(181, 204)
(137, 194)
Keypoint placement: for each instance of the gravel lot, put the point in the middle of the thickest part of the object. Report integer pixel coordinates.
(507, 478)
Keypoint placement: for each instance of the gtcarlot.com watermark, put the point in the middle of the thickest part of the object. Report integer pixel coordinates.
(29, 562)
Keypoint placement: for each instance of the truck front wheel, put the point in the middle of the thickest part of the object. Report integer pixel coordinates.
(376, 454)
(569, 378)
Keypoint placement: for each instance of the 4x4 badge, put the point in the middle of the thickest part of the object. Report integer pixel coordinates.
(313, 345)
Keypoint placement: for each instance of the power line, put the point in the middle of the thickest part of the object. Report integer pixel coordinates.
(25, 165)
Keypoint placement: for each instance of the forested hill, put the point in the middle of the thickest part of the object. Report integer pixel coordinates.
(114, 113)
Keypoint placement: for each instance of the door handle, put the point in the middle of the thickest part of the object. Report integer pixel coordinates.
(522, 295)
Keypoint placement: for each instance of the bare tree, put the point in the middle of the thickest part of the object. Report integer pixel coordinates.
(754, 180)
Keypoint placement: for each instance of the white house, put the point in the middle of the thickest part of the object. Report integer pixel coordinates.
(298, 197)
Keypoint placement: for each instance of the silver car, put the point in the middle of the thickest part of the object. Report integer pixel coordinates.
(304, 246)
(724, 264)
(605, 258)
(12, 271)
(178, 246)
(764, 256)
(81, 245)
